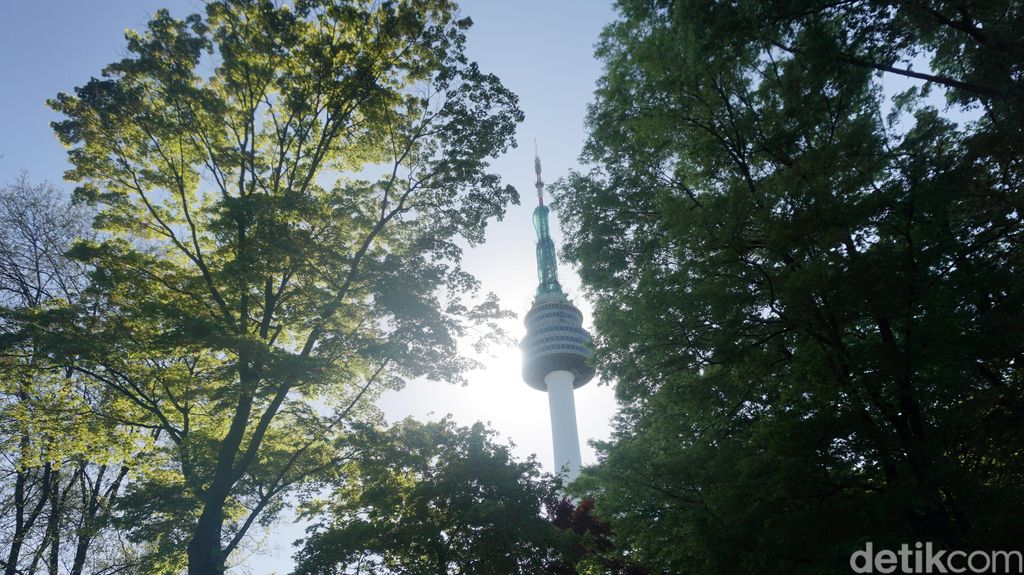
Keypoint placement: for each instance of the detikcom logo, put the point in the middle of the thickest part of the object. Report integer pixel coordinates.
(924, 558)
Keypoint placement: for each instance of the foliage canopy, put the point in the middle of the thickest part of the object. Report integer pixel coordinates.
(281, 194)
(807, 282)
(434, 498)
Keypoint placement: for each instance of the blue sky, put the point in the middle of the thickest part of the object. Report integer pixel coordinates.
(543, 51)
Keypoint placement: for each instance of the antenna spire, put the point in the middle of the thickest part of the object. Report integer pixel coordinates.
(547, 268)
(536, 168)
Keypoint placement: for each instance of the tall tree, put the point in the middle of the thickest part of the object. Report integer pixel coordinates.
(62, 465)
(808, 292)
(282, 191)
(35, 229)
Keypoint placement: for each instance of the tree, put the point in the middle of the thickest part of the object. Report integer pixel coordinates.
(593, 546)
(807, 292)
(282, 192)
(434, 498)
(438, 498)
(63, 467)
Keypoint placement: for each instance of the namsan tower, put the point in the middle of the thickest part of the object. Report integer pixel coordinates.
(555, 352)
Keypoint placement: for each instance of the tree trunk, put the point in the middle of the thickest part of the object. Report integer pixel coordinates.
(23, 523)
(94, 510)
(19, 525)
(205, 552)
(53, 525)
(81, 551)
(205, 556)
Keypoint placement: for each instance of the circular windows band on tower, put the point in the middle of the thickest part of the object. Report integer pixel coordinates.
(555, 340)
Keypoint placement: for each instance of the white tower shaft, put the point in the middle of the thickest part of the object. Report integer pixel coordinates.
(564, 435)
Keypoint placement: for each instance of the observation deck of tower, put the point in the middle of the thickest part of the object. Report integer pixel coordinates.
(555, 353)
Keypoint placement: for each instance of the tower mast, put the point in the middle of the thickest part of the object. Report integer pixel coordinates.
(555, 348)
(540, 181)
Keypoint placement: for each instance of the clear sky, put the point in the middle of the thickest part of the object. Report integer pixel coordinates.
(542, 50)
